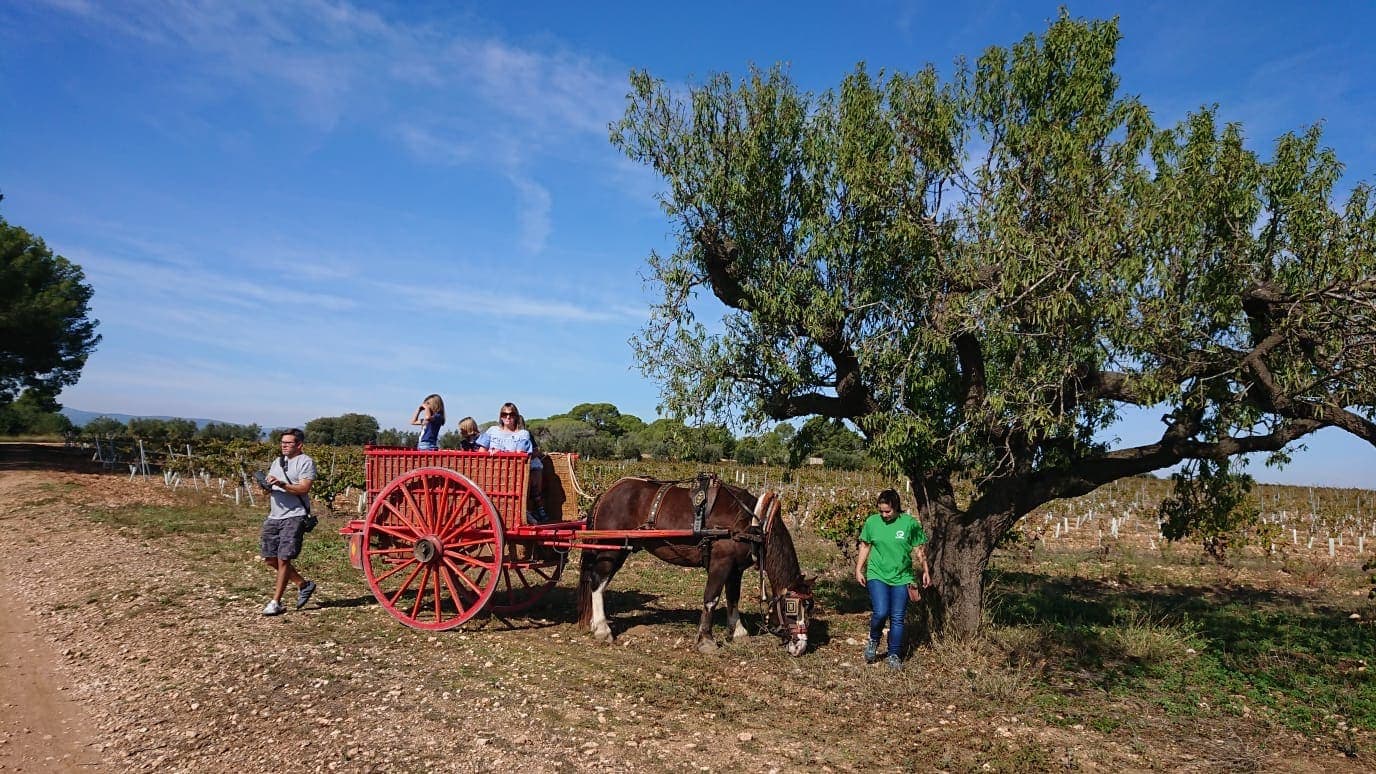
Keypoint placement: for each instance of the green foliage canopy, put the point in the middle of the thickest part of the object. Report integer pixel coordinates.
(45, 331)
(344, 430)
(981, 272)
(33, 412)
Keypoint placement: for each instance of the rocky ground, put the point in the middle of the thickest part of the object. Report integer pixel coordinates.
(128, 650)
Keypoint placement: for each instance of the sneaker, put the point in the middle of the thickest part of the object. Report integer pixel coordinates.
(304, 595)
(274, 608)
(893, 662)
(871, 652)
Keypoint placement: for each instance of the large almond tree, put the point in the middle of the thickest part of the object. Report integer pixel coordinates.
(981, 271)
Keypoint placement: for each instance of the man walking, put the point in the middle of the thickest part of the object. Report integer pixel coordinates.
(289, 478)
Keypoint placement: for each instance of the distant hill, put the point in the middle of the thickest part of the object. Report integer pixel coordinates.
(80, 417)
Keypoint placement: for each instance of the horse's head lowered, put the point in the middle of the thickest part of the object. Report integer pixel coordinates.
(790, 607)
(793, 611)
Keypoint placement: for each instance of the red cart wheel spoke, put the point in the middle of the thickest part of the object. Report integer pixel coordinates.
(526, 580)
(478, 570)
(400, 534)
(395, 570)
(401, 517)
(456, 509)
(450, 532)
(406, 584)
(448, 577)
(432, 548)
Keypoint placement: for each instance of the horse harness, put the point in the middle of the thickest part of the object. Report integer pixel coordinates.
(705, 488)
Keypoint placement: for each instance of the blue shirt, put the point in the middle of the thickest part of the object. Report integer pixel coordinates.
(431, 433)
(497, 439)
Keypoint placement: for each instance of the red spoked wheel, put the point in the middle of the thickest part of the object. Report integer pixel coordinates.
(432, 548)
(528, 572)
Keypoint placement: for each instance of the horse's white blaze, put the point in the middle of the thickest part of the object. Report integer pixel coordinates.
(600, 629)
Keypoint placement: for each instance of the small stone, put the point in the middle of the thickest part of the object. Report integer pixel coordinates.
(744, 736)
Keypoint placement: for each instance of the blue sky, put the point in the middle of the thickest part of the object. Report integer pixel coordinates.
(297, 209)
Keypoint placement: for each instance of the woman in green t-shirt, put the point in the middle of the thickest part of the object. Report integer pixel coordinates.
(885, 567)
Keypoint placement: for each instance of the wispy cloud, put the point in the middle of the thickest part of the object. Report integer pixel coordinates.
(332, 59)
(505, 305)
(533, 215)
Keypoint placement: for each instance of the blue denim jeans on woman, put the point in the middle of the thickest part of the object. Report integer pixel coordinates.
(889, 603)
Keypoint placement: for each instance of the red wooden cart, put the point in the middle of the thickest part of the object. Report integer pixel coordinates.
(445, 536)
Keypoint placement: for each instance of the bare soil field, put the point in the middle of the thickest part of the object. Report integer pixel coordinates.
(134, 642)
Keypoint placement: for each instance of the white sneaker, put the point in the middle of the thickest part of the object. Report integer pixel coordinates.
(274, 608)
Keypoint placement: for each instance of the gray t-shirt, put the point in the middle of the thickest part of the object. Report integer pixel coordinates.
(284, 504)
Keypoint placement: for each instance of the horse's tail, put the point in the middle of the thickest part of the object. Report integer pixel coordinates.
(585, 581)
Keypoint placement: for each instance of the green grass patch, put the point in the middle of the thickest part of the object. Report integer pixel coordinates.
(156, 521)
(1193, 650)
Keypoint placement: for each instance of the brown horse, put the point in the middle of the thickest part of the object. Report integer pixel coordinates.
(737, 532)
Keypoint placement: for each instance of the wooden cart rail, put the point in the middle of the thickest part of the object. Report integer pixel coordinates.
(503, 476)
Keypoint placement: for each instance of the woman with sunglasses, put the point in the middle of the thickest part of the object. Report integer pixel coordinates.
(510, 435)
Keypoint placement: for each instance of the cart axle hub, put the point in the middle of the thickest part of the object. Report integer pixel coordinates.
(427, 550)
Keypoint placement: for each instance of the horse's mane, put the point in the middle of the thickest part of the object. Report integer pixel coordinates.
(780, 557)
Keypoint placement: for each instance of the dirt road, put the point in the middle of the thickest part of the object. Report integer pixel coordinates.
(43, 728)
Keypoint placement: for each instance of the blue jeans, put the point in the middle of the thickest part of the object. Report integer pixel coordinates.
(427, 446)
(889, 603)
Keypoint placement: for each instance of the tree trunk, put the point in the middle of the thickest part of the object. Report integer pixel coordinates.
(959, 554)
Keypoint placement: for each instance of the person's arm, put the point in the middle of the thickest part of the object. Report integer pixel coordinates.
(299, 488)
(417, 419)
(926, 571)
(860, 562)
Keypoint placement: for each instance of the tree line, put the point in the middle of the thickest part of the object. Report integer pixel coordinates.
(592, 430)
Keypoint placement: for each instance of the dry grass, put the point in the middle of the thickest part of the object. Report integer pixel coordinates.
(1086, 663)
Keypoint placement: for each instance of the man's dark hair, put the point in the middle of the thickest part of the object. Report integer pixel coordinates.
(300, 434)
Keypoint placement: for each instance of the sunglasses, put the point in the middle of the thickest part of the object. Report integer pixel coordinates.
(507, 414)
